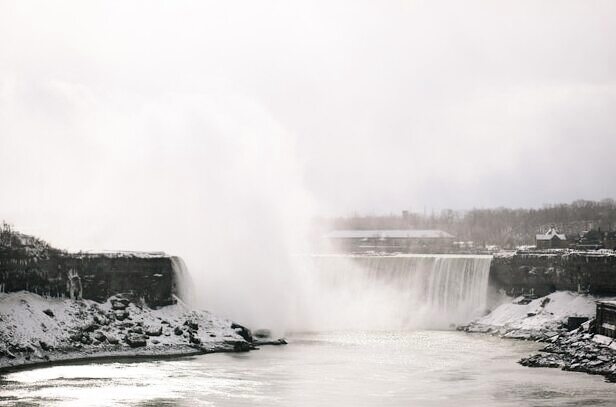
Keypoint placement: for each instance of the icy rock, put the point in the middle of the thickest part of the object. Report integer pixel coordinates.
(154, 331)
(118, 304)
(101, 320)
(121, 315)
(603, 340)
(113, 340)
(135, 340)
(242, 331)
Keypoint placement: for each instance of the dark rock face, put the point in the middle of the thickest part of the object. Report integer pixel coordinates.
(45, 346)
(242, 331)
(99, 336)
(575, 322)
(547, 272)
(31, 265)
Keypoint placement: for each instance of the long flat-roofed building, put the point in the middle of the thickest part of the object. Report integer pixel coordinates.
(397, 240)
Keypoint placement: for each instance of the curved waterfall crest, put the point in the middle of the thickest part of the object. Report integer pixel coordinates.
(403, 291)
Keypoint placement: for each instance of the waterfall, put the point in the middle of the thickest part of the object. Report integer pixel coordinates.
(183, 285)
(393, 292)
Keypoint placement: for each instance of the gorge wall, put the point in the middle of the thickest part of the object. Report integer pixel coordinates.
(555, 270)
(29, 264)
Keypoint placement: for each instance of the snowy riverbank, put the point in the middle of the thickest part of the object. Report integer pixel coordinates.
(546, 319)
(538, 319)
(38, 330)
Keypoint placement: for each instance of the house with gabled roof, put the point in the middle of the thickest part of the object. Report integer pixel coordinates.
(551, 240)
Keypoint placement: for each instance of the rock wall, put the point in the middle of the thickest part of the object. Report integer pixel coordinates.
(91, 276)
(554, 270)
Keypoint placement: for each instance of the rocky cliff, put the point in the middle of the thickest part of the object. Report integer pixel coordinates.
(29, 264)
(554, 270)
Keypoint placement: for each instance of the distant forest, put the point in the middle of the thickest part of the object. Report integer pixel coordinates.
(500, 226)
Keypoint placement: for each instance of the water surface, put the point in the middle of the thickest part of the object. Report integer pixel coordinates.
(418, 368)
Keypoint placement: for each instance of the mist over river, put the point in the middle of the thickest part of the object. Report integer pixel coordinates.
(411, 368)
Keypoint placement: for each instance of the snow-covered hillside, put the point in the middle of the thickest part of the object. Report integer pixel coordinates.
(35, 329)
(538, 319)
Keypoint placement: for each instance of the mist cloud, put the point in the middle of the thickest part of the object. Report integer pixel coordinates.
(149, 125)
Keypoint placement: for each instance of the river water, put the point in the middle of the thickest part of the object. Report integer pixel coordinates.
(413, 368)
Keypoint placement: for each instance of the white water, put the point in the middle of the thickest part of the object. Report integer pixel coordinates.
(395, 292)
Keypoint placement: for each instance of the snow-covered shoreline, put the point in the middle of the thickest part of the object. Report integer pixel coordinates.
(546, 319)
(37, 330)
(538, 319)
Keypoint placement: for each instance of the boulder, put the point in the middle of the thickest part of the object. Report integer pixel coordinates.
(178, 331)
(113, 340)
(91, 327)
(117, 304)
(49, 313)
(193, 339)
(101, 320)
(121, 315)
(99, 336)
(242, 331)
(154, 331)
(135, 340)
(191, 324)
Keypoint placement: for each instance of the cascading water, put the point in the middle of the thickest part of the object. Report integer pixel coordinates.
(394, 292)
(183, 286)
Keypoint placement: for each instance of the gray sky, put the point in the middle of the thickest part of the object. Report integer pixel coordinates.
(145, 112)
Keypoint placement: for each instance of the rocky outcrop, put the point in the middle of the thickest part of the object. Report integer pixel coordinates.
(564, 321)
(84, 329)
(57, 306)
(538, 319)
(27, 263)
(578, 351)
(543, 272)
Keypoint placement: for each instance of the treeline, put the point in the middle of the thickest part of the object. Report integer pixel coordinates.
(501, 226)
(11, 239)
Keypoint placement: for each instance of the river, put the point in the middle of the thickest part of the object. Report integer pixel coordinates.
(411, 368)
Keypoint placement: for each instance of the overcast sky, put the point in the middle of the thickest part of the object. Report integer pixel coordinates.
(109, 110)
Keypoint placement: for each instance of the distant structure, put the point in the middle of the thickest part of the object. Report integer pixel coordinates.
(606, 318)
(595, 239)
(551, 240)
(390, 241)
